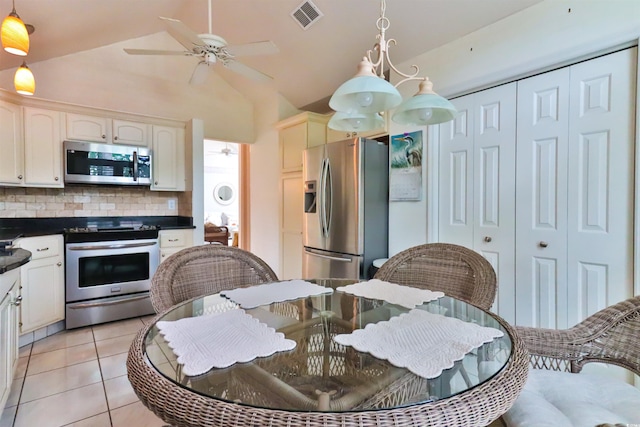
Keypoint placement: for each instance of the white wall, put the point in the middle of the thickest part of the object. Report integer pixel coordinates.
(539, 38)
(109, 78)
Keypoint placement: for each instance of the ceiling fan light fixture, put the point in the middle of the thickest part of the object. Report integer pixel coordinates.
(369, 92)
(24, 81)
(14, 34)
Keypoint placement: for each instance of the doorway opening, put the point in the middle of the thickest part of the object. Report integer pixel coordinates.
(222, 192)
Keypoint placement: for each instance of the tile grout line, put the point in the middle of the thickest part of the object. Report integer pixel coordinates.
(24, 379)
(104, 388)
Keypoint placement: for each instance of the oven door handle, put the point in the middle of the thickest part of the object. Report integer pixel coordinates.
(104, 303)
(113, 246)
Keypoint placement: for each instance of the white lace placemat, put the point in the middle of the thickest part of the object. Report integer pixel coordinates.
(220, 340)
(423, 342)
(405, 296)
(255, 296)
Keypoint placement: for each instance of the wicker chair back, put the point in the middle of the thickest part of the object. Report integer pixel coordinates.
(455, 270)
(206, 269)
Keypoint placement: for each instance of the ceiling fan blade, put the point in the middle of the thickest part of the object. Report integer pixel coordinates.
(183, 34)
(200, 73)
(157, 52)
(247, 71)
(258, 48)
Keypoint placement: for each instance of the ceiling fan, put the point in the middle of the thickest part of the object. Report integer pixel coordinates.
(211, 49)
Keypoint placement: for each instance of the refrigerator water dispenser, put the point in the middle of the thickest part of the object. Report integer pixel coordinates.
(310, 197)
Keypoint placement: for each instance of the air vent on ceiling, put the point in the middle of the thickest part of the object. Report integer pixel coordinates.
(306, 14)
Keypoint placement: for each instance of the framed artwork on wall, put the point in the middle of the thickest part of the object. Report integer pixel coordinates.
(405, 175)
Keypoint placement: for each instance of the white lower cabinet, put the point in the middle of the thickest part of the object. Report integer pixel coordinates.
(172, 241)
(9, 303)
(42, 282)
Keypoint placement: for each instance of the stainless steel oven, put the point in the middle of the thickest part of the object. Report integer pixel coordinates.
(108, 274)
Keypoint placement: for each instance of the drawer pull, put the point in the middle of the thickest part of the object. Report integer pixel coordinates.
(42, 249)
(487, 239)
(543, 244)
(174, 240)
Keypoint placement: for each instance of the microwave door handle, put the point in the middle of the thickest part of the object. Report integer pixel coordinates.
(135, 165)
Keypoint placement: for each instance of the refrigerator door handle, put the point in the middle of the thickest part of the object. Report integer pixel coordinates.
(323, 198)
(328, 194)
(332, 258)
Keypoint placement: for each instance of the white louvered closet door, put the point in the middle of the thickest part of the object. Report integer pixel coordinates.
(574, 198)
(476, 184)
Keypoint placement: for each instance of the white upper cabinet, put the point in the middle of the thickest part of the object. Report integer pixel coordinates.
(82, 127)
(131, 133)
(11, 144)
(42, 148)
(30, 147)
(88, 128)
(168, 159)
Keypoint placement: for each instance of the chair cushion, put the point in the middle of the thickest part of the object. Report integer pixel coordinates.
(563, 399)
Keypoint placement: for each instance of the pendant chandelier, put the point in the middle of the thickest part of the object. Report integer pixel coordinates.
(15, 40)
(15, 37)
(359, 101)
(24, 81)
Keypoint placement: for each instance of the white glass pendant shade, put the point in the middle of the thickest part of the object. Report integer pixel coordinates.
(24, 81)
(355, 122)
(365, 93)
(424, 108)
(14, 34)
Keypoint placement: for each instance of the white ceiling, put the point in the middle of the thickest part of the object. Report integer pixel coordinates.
(311, 64)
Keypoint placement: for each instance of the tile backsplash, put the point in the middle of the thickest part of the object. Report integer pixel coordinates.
(84, 201)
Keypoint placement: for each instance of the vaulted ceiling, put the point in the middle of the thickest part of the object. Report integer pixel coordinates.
(310, 64)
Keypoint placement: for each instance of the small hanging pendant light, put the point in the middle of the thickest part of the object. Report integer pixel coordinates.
(24, 81)
(14, 34)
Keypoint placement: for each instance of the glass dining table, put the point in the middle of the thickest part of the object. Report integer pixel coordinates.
(322, 382)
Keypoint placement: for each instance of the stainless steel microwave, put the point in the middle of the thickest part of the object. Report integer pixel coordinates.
(95, 163)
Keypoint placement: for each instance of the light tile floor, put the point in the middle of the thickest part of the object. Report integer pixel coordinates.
(78, 378)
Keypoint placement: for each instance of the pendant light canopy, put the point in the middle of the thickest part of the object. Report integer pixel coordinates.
(359, 100)
(14, 34)
(24, 81)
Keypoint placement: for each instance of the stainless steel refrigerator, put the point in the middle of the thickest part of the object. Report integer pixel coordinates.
(346, 209)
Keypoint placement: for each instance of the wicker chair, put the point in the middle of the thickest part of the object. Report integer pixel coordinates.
(610, 336)
(455, 270)
(206, 269)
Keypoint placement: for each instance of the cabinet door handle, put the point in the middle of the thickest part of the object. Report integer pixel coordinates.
(543, 244)
(487, 239)
(115, 138)
(59, 264)
(104, 136)
(42, 249)
(17, 301)
(56, 178)
(19, 176)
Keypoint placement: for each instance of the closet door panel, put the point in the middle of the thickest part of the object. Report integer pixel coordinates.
(494, 188)
(542, 144)
(456, 173)
(600, 198)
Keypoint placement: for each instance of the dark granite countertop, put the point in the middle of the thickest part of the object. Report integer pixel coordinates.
(13, 258)
(11, 228)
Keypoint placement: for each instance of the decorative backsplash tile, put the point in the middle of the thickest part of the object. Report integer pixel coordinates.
(83, 201)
